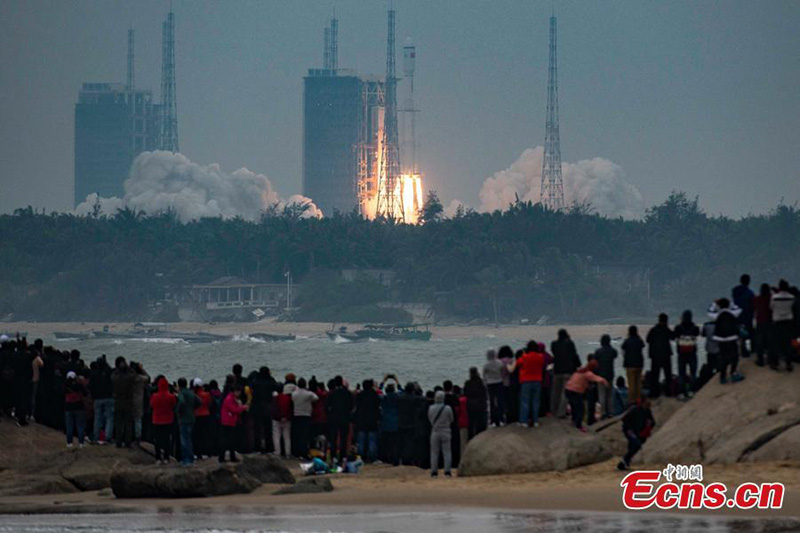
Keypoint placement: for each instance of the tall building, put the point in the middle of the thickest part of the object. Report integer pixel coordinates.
(341, 118)
(114, 122)
(331, 129)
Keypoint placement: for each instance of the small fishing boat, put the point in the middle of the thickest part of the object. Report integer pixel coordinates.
(272, 337)
(384, 332)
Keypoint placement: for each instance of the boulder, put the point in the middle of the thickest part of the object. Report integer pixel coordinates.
(266, 469)
(208, 478)
(555, 445)
(307, 486)
(783, 447)
(729, 423)
(13, 484)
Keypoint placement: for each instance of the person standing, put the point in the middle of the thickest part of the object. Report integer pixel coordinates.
(230, 419)
(441, 418)
(660, 350)
(605, 356)
(390, 425)
(493, 379)
(686, 334)
(202, 421)
(303, 404)
(633, 361)
(531, 366)
(783, 324)
(23, 379)
(162, 405)
(140, 383)
(763, 315)
(102, 392)
(368, 412)
(637, 425)
(123, 381)
(743, 298)
(263, 386)
(282, 416)
(340, 409)
(187, 403)
(726, 335)
(74, 414)
(37, 363)
(565, 362)
(475, 391)
(575, 390)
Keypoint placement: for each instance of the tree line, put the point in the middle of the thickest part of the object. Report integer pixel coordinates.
(520, 263)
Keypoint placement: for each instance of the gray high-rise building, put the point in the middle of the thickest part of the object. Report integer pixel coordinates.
(113, 124)
(331, 132)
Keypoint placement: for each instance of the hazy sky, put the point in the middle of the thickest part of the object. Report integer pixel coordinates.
(698, 96)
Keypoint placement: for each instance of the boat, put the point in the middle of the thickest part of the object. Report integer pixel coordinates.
(63, 335)
(157, 330)
(384, 332)
(272, 337)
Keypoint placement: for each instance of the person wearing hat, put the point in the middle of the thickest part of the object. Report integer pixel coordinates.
(74, 414)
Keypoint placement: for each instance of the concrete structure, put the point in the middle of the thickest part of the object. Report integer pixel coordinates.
(113, 124)
(231, 298)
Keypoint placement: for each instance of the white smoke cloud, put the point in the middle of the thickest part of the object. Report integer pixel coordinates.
(452, 209)
(597, 181)
(161, 181)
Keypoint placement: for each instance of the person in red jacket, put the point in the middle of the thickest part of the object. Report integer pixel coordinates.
(202, 420)
(230, 417)
(531, 366)
(163, 405)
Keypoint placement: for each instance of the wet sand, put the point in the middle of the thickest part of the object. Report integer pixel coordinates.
(593, 488)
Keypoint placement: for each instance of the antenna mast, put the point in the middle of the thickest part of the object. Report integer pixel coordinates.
(552, 189)
(169, 107)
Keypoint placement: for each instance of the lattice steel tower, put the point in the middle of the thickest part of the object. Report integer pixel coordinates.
(388, 203)
(169, 106)
(552, 191)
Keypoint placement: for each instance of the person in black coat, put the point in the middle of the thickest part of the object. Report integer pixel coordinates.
(368, 412)
(565, 362)
(475, 391)
(633, 361)
(659, 343)
(340, 409)
(686, 334)
(637, 424)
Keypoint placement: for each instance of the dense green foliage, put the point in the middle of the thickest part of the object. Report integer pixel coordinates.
(520, 263)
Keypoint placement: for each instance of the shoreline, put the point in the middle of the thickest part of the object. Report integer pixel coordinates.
(590, 489)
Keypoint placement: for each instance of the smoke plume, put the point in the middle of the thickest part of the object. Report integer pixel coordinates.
(597, 181)
(162, 181)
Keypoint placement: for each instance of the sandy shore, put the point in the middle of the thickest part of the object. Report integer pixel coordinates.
(546, 333)
(593, 488)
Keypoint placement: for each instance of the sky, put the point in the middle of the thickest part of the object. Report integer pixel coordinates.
(700, 97)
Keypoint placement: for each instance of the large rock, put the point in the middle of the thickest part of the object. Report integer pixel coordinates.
(729, 423)
(208, 478)
(36, 455)
(13, 484)
(783, 447)
(555, 445)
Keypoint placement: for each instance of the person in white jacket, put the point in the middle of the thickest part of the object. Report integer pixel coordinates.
(303, 402)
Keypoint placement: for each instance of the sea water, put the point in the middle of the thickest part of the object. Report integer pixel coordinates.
(235, 520)
(428, 363)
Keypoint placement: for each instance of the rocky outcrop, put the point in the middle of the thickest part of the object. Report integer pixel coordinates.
(37, 457)
(208, 478)
(13, 484)
(753, 420)
(555, 445)
(307, 486)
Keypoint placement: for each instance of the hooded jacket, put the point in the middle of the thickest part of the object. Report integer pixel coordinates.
(440, 415)
(163, 404)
